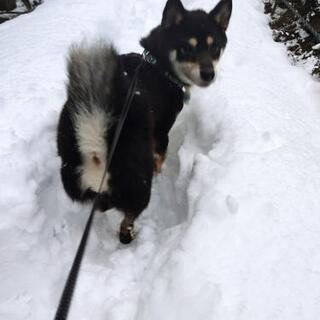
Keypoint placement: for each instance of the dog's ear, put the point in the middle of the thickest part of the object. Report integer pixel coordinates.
(172, 14)
(221, 13)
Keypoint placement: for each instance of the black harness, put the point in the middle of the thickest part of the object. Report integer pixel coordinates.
(149, 58)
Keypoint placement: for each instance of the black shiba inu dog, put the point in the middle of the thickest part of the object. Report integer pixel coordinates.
(182, 51)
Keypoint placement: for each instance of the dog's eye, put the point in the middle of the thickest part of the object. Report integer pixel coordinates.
(215, 51)
(186, 51)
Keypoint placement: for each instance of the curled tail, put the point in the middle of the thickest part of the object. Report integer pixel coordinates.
(91, 70)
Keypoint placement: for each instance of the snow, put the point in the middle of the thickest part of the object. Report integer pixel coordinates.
(232, 230)
(316, 47)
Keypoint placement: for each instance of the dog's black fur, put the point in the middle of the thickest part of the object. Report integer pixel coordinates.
(99, 79)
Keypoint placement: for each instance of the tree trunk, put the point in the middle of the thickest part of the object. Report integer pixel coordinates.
(27, 4)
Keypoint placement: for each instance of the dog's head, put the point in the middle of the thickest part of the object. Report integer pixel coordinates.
(190, 43)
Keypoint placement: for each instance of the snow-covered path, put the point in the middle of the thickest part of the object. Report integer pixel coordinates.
(233, 228)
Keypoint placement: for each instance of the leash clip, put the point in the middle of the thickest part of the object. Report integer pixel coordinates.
(149, 58)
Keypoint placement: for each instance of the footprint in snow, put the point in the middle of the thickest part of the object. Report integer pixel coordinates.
(232, 204)
(270, 141)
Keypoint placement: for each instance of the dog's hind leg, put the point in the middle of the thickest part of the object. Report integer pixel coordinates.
(130, 183)
(131, 195)
(103, 202)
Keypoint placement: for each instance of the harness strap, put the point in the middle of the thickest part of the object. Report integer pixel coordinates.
(148, 57)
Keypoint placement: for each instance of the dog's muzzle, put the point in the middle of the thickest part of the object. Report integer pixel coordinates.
(207, 73)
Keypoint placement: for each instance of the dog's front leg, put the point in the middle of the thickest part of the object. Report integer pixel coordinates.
(158, 161)
(127, 232)
(159, 154)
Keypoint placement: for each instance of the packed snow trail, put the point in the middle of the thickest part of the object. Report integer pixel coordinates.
(233, 228)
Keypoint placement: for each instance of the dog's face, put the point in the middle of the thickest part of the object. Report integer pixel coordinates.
(195, 40)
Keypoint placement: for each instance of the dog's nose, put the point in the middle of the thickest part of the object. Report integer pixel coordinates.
(207, 74)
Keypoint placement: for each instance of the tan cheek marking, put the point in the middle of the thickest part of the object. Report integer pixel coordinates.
(192, 64)
(195, 66)
(193, 42)
(190, 67)
(215, 62)
(209, 40)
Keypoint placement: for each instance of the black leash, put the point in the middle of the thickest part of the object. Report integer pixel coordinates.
(67, 294)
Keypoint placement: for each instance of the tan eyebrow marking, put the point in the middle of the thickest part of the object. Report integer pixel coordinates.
(193, 42)
(209, 40)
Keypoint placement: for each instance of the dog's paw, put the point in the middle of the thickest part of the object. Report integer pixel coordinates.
(127, 235)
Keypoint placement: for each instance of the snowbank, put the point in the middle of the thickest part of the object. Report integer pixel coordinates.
(233, 228)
